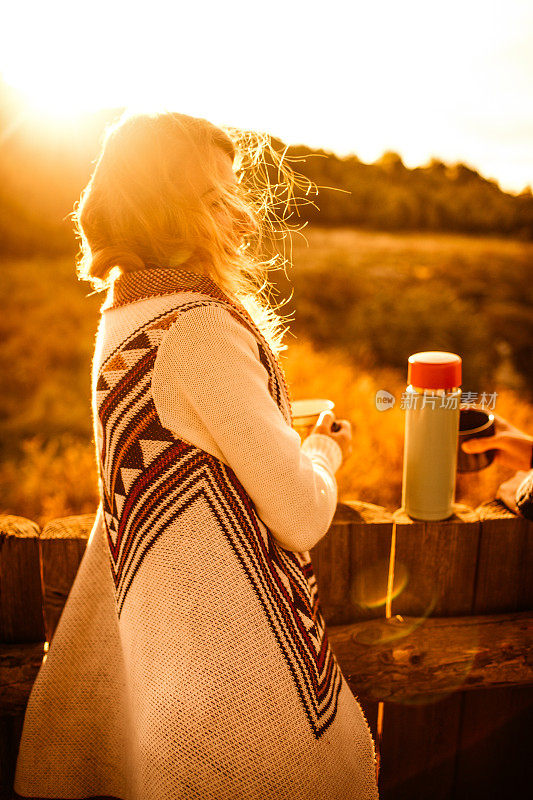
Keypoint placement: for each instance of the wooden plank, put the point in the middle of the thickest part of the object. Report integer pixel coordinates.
(420, 742)
(10, 733)
(63, 544)
(21, 606)
(437, 562)
(351, 563)
(19, 665)
(494, 758)
(401, 658)
(21, 620)
(505, 562)
(381, 659)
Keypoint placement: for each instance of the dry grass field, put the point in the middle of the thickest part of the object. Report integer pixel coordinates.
(362, 303)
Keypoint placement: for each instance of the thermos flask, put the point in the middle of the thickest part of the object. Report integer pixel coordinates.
(432, 409)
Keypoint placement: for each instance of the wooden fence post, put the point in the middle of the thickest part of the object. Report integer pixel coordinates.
(21, 621)
(63, 543)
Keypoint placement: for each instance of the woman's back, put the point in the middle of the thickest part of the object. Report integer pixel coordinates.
(211, 659)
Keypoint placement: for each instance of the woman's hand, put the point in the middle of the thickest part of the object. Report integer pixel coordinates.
(514, 447)
(343, 436)
(507, 490)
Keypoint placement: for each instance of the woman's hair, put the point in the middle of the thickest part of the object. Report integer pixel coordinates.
(142, 207)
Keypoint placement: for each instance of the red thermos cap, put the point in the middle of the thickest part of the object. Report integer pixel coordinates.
(434, 369)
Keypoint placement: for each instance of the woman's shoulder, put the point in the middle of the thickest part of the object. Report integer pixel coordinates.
(183, 317)
(208, 327)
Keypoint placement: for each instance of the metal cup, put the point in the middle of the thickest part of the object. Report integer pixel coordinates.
(473, 423)
(305, 414)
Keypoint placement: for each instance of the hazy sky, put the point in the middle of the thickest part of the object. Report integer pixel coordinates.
(452, 79)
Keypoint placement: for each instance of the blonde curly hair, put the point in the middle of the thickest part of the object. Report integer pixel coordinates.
(142, 207)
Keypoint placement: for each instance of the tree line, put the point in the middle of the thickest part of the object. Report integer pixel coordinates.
(44, 168)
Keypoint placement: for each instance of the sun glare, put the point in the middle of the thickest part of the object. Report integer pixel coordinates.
(50, 103)
(378, 84)
(49, 94)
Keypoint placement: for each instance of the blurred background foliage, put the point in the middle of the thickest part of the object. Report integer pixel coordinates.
(400, 260)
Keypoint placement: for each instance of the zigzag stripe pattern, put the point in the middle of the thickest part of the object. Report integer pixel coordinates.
(150, 477)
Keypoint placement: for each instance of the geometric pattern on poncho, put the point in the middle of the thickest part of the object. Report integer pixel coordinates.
(148, 477)
(156, 282)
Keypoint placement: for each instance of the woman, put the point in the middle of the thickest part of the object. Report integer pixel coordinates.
(191, 659)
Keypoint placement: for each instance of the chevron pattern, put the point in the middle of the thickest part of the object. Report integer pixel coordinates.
(149, 477)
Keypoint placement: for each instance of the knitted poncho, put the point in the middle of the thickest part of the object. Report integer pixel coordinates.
(191, 660)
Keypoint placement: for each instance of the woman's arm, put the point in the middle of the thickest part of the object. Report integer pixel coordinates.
(210, 388)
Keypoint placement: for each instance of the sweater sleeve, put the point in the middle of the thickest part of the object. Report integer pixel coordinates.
(210, 387)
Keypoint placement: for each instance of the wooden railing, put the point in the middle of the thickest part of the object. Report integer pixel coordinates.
(431, 622)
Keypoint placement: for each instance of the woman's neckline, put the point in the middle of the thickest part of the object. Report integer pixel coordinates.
(155, 281)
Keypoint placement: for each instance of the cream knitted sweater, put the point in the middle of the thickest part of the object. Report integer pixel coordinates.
(191, 660)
